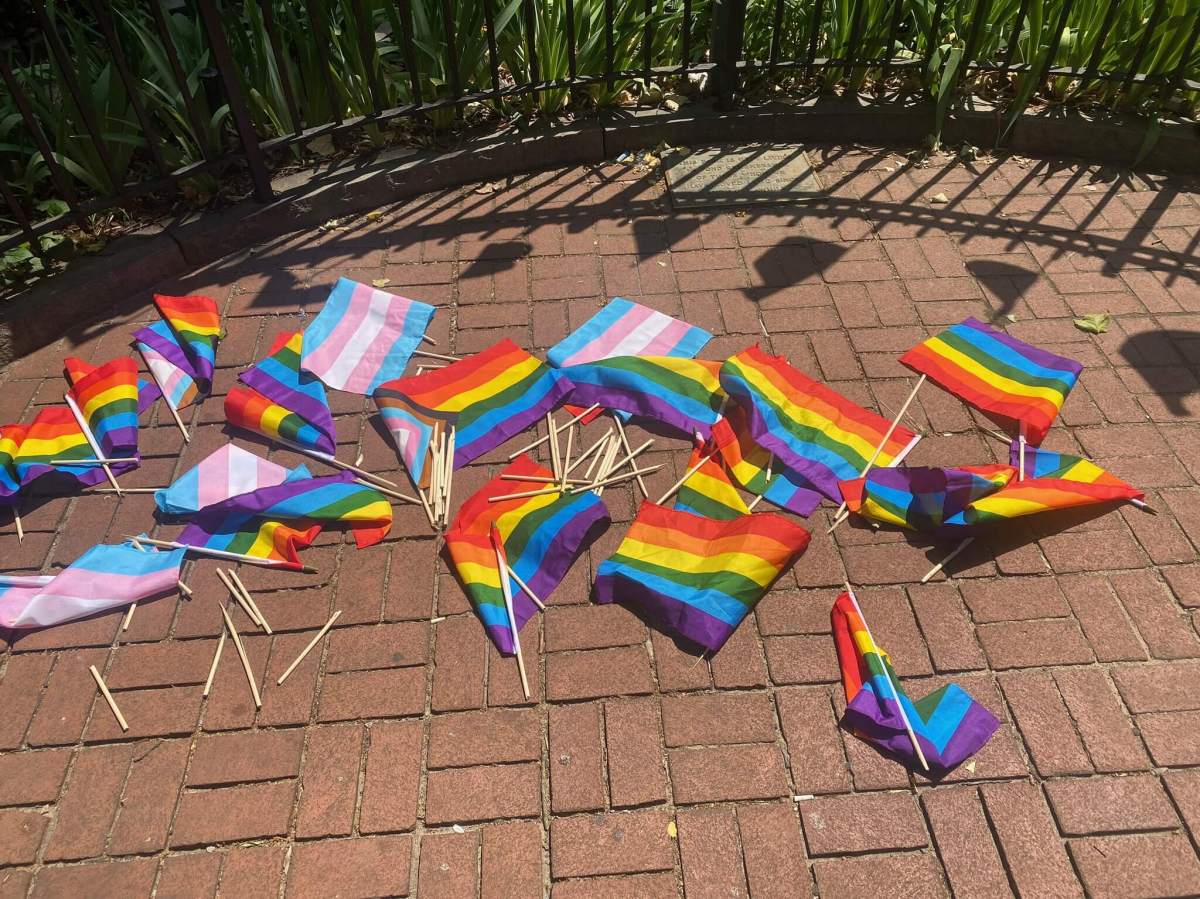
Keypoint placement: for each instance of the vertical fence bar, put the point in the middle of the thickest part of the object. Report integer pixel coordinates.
(489, 27)
(225, 65)
(686, 43)
(67, 72)
(1093, 65)
(893, 33)
(814, 33)
(452, 60)
(195, 119)
(132, 88)
(852, 47)
(1151, 25)
(776, 37)
(367, 49)
(62, 183)
(267, 8)
(19, 216)
(320, 27)
(1171, 82)
(648, 42)
(728, 31)
(1015, 37)
(572, 63)
(981, 10)
(404, 11)
(1056, 41)
(527, 10)
(934, 24)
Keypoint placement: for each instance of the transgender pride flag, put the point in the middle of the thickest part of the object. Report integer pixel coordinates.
(363, 337)
(624, 328)
(228, 471)
(103, 578)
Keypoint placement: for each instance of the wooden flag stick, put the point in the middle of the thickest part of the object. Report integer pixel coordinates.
(629, 452)
(555, 465)
(501, 567)
(80, 462)
(128, 489)
(442, 356)
(330, 459)
(91, 439)
(128, 617)
(566, 459)
(591, 449)
(842, 516)
(575, 419)
(629, 455)
(429, 340)
(1021, 453)
(1141, 504)
(888, 675)
(241, 651)
(524, 586)
(394, 494)
(184, 589)
(525, 494)
(108, 697)
(949, 558)
(250, 600)
(616, 479)
(754, 502)
(233, 591)
(212, 669)
(450, 447)
(222, 554)
(307, 649)
(596, 459)
(606, 465)
(687, 474)
(20, 527)
(166, 398)
(539, 479)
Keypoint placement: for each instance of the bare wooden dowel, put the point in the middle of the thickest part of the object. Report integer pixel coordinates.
(250, 601)
(617, 478)
(586, 412)
(108, 697)
(625, 443)
(212, 669)
(241, 651)
(185, 589)
(237, 596)
(946, 561)
(687, 474)
(307, 649)
(128, 617)
(524, 586)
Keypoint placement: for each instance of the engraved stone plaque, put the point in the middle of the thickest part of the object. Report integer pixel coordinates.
(740, 175)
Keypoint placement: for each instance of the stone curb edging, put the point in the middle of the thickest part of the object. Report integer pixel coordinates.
(98, 285)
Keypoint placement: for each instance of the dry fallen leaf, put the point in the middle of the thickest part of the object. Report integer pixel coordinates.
(381, 282)
(672, 830)
(1096, 323)
(939, 198)
(374, 215)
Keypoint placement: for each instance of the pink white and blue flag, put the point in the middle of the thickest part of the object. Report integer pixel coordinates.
(228, 471)
(625, 328)
(104, 577)
(168, 362)
(363, 337)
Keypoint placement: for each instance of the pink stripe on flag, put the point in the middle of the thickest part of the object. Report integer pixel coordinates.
(408, 437)
(93, 586)
(666, 339)
(328, 353)
(390, 313)
(602, 347)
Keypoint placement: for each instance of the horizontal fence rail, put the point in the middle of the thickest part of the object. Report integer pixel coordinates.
(106, 102)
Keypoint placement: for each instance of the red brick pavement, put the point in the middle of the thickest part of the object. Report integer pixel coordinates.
(401, 758)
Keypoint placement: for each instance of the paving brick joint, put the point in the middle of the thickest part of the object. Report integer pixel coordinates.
(401, 758)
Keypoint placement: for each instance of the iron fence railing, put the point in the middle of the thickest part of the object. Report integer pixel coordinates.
(102, 103)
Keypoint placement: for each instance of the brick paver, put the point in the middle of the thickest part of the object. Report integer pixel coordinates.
(401, 758)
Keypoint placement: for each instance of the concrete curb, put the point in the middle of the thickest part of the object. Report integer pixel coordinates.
(137, 262)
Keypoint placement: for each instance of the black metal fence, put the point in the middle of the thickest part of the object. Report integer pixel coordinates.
(104, 102)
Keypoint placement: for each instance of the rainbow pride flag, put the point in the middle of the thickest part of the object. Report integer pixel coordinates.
(709, 492)
(489, 397)
(279, 401)
(224, 473)
(542, 536)
(922, 499)
(363, 336)
(26, 451)
(104, 577)
(949, 725)
(168, 363)
(697, 578)
(251, 518)
(753, 468)
(1059, 481)
(625, 328)
(998, 374)
(682, 393)
(197, 325)
(108, 397)
(815, 432)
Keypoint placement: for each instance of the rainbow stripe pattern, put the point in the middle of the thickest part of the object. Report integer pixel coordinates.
(625, 328)
(168, 363)
(253, 519)
(1059, 481)
(949, 725)
(280, 401)
(226, 472)
(815, 432)
(108, 397)
(709, 492)
(363, 336)
(922, 499)
(696, 577)
(997, 373)
(542, 536)
(489, 397)
(104, 577)
(754, 469)
(197, 325)
(684, 394)
(26, 451)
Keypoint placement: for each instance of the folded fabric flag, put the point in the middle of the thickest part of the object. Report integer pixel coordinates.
(753, 467)
(228, 471)
(1059, 481)
(697, 578)
(256, 537)
(102, 578)
(249, 409)
(949, 725)
(624, 328)
(411, 429)
(242, 521)
(814, 431)
(197, 325)
(922, 499)
(363, 337)
(488, 397)
(26, 451)
(997, 373)
(708, 492)
(107, 395)
(542, 537)
(279, 379)
(682, 393)
(147, 391)
(168, 363)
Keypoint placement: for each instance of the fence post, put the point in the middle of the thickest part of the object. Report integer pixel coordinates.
(223, 60)
(728, 31)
